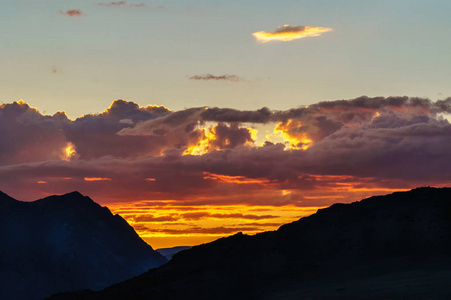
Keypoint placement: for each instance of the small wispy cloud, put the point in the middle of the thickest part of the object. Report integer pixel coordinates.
(71, 13)
(226, 77)
(121, 3)
(288, 33)
(54, 69)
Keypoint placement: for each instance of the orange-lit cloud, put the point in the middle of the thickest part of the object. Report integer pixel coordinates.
(294, 135)
(221, 136)
(71, 13)
(96, 179)
(235, 179)
(287, 33)
(69, 151)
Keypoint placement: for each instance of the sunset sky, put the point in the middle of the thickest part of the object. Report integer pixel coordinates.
(199, 119)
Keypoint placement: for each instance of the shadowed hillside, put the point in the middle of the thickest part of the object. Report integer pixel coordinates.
(63, 243)
(390, 246)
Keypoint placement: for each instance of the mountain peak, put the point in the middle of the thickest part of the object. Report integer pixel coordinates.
(66, 242)
(74, 194)
(72, 199)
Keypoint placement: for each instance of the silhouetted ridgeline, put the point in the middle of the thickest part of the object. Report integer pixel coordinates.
(382, 247)
(64, 243)
(170, 252)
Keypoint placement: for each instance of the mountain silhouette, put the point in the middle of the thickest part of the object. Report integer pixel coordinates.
(64, 243)
(395, 246)
(170, 252)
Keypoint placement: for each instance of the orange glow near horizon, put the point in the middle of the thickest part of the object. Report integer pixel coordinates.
(288, 33)
(171, 224)
(260, 205)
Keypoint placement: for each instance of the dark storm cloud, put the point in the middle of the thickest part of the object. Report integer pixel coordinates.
(226, 77)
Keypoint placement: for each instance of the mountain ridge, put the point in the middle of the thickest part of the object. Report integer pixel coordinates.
(66, 242)
(350, 249)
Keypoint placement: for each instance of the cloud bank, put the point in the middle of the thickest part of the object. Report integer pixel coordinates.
(288, 33)
(333, 151)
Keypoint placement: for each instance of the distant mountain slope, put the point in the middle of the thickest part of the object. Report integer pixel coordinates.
(170, 252)
(394, 246)
(63, 243)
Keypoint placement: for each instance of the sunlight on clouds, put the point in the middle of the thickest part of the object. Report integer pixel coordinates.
(221, 136)
(69, 151)
(293, 135)
(235, 179)
(287, 33)
(203, 146)
(96, 179)
(254, 134)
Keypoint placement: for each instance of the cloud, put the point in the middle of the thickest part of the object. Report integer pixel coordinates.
(213, 230)
(288, 33)
(201, 215)
(71, 13)
(226, 77)
(121, 3)
(210, 166)
(205, 156)
(262, 115)
(23, 131)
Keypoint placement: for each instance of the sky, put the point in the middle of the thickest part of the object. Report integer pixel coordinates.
(199, 119)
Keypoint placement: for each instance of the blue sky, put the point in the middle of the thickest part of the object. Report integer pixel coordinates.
(146, 54)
